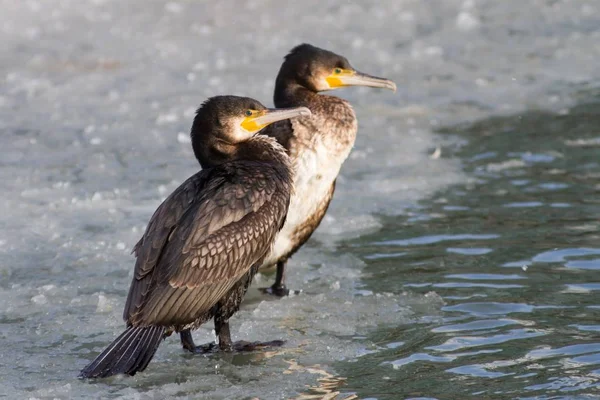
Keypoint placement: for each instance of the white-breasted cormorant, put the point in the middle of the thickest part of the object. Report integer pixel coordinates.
(206, 241)
(317, 145)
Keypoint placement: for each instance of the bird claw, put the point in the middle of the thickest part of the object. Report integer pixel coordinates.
(211, 347)
(240, 346)
(279, 291)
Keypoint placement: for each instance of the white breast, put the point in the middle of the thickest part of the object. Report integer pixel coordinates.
(316, 168)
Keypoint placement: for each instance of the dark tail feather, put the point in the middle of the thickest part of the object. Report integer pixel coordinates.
(129, 353)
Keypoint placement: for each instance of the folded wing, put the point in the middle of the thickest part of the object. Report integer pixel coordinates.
(201, 240)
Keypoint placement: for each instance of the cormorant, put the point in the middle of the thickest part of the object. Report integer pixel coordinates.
(317, 145)
(206, 241)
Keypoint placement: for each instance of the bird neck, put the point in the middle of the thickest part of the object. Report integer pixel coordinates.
(289, 93)
(260, 148)
(263, 148)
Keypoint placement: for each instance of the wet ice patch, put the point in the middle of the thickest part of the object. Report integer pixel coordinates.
(334, 229)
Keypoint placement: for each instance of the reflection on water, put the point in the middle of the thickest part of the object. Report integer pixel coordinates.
(327, 384)
(514, 254)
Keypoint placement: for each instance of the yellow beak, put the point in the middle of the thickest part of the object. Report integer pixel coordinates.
(261, 119)
(349, 77)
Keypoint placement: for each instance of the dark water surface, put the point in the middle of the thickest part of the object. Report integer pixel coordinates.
(515, 255)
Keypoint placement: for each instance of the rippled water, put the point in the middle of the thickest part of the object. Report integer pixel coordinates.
(515, 255)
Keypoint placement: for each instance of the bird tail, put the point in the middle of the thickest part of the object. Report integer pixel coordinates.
(129, 353)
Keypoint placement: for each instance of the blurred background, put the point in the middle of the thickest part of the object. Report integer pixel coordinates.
(459, 258)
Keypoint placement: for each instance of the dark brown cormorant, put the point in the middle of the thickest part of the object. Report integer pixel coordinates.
(206, 241)
(317, 145)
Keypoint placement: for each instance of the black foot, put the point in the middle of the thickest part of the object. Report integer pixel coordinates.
(279, 291)
(243, 345)
(203, 349)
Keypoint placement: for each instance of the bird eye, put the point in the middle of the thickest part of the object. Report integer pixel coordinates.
(337, 70)
(248, 113)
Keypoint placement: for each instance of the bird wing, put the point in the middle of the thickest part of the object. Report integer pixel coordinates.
(201, 240)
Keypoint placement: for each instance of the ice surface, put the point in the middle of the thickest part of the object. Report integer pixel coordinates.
(97, 97)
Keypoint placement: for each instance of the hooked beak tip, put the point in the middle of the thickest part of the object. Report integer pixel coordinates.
(304, 112)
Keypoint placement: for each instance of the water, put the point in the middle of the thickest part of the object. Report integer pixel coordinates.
(514, 255)
(457, 259)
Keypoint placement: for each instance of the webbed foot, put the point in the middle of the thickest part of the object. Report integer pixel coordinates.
(279, 291)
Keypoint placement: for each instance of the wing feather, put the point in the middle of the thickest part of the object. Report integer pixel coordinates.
(202, 239)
